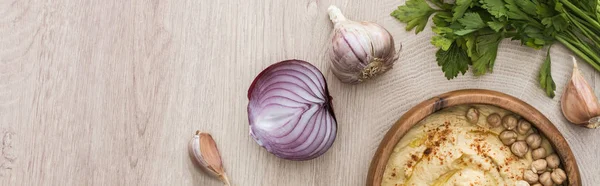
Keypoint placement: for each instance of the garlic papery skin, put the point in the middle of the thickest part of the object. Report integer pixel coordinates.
(359, 50)
(204, 150)
(579, 104)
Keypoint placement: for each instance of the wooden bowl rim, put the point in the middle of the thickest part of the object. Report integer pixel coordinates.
(471, 96)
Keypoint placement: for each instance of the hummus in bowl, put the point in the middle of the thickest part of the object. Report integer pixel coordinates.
(473, 137)
(446, 149)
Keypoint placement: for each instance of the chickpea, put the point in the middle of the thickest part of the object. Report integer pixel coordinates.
(519, 148)
(521, 183)
(472, 115)
(553, 161)
(534, 141)
(508, 137)
(545, 179)
(523, 127)
(558, 176)
(530, 176)
(494, 120)
(538, 153)
(509, 122)
(539, 166)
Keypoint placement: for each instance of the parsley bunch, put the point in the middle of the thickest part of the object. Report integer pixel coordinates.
(468, 32)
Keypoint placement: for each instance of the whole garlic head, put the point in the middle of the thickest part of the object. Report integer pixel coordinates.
(359, 50)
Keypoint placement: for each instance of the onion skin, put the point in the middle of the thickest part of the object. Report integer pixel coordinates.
(290, 112)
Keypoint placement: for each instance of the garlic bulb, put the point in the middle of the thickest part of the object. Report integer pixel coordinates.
(359, 50)
(579, 103)
(204, 150)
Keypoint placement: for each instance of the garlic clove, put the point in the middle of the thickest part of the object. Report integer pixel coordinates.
(204, 150)
(579, 104)
(359, 50)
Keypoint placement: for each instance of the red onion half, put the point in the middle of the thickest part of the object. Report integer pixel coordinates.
(290, 111)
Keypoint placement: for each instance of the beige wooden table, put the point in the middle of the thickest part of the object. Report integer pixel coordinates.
(108, 92)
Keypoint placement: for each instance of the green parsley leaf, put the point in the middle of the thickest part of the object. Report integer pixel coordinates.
(415, 13)
(546, 80)
(514, 12)
(442, 30)
(460, 6)
(464, 32)
(441, 4)
(469, 45)
(560, 23)
(496, 26)
(527, 6)
(495, 7)
(543, 10)
(472, 20)
(558, 6)
(453, 61)
(547, 22)
(441, 42)
(486, 50)
(442, 19)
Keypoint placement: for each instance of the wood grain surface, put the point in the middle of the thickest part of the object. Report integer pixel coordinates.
(108, 92)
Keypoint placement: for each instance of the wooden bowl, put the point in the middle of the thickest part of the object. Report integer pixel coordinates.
(472, 96)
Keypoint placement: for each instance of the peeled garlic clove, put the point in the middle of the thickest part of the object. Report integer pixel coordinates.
(204, 150)
(579, 104)
(359, 50)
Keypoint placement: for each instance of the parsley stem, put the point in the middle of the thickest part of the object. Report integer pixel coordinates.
(581, 13)
(586, 31)
(579, 53)
(586, 49)
(580, 21)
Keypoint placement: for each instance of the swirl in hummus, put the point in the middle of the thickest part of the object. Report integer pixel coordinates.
(445, 149)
